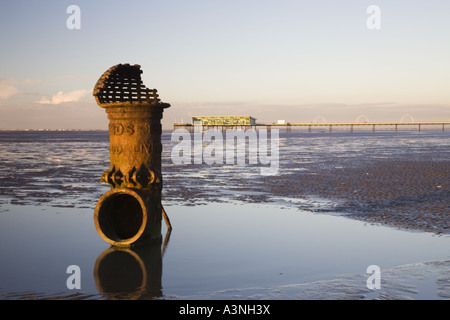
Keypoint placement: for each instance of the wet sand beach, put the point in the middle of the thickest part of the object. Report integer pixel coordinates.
(402, 193)
(404, 185)
(403, 182)
(339, 203)
(409, 194)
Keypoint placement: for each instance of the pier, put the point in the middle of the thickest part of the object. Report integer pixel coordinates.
(420, 125)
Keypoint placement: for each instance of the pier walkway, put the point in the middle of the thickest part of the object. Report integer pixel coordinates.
(418, 124)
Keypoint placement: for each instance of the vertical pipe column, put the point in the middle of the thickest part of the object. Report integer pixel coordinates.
(131, 212)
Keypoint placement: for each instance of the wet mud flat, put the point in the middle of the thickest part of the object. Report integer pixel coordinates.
(56, 169)
(409, 194)
(400, 180)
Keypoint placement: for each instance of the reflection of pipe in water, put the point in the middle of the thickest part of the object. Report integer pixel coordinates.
(130, 273)
(131, 212)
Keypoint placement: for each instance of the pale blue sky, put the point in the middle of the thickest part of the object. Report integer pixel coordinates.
(285, 59)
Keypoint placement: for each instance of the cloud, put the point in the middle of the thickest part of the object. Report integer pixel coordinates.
(8, 87)
(7, 91)
(61, 97)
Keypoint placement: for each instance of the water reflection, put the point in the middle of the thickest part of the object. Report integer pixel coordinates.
(130, 273)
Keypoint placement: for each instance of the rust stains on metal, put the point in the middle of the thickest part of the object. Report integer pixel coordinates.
(134, 202)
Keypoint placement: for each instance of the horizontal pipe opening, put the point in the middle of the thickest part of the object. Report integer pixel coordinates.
(120, 217)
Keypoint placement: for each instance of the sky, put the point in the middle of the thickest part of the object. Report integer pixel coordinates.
(294, 60)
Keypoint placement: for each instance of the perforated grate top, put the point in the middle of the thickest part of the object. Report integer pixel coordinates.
(122, 84)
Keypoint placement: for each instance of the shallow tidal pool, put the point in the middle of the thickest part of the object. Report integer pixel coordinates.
(219, 251)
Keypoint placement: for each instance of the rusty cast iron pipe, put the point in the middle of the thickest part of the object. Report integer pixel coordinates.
(131, 211)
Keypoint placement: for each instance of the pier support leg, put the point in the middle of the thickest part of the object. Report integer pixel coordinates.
(373, 128)
(351, 128)
(330, 128)
(396, 127)
(419, 128)
(309, 128)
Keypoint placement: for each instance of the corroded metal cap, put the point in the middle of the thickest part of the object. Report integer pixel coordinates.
(122, 85)
(134, 114)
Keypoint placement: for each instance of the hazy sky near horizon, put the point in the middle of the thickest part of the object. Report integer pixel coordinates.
(285, 59)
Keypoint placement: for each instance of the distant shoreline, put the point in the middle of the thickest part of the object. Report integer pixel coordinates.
(405, 129)
(51, 130)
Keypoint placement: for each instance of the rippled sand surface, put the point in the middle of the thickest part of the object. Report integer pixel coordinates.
(396, 179)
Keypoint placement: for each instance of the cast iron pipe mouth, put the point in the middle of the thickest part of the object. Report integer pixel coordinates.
(121, 216)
